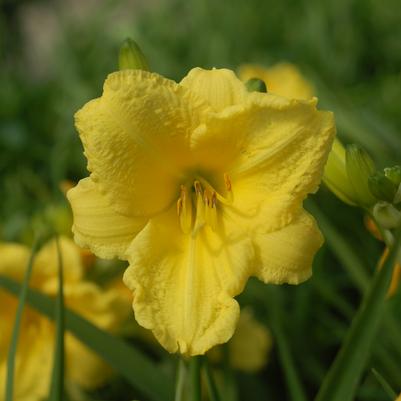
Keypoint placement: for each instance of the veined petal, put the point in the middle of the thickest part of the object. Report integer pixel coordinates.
(184, 285)
(96, 225)
(219, 87)
(274, 151)
(286, 255)
(136, 139)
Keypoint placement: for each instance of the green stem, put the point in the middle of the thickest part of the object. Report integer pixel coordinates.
(294, 385)
(344, 375)
(9, 396)
(180, 384)
(57, 382)
(211, 384)
(195, 365)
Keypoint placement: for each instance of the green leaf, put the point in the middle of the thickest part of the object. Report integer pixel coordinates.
(386, 386)
(345, 254)
(135, 367)
(57, 382)
(355, 268)
(343, 377)
(22, 291)
(292, 378)
(195, 371)
(211, 383)
(180, 381)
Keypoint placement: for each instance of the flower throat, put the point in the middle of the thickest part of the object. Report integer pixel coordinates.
(197, 205)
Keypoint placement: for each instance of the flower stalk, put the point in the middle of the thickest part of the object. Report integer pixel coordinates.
(211, 384)
(195, 371)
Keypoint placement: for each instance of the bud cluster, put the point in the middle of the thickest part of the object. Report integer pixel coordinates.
(351, 175)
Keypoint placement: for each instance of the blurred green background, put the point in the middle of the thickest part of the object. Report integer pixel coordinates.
(55, 56)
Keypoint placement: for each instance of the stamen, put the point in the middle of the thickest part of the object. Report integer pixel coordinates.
(184, 210)
(200, 208)
(221, 198)
(205, 202)
(210, 199)
(227, 181)
(179, 206)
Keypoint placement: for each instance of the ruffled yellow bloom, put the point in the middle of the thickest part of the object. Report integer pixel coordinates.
(199, 185)
(35, 353)
(249, 347)
(283, 79)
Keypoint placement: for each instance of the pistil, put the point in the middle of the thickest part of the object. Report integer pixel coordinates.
(204, 200)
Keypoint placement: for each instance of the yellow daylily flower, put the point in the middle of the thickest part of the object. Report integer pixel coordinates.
(35, 352)
(249, 347)
(199, 185)
(283, 79)
(336, 176)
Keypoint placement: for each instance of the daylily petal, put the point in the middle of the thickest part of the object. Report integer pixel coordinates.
(83, 366)
(251, 343)
(283, 79)
(105, 309)
(285, 256)
(136, 138)
(184, 285)
(219, 87)
(33, 361)
(46, 262)
(13, 260)
(96, 225)
(274, 150)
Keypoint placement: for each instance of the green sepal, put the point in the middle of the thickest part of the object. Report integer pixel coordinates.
(131, 57)
(256, 85)
(381, 187)
(360, 167)
(393, 174)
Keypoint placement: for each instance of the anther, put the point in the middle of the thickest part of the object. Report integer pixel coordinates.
(214, 199)
(179, 206)
(198, 187)
(227, 181)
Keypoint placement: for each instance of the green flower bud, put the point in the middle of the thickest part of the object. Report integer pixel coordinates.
(255, 85)
(381, 187)
(393, 174)
(335, 174)
(131, 57)
(360, 167)
(387, 215)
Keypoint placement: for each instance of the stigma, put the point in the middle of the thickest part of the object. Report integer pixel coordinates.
(198, 205)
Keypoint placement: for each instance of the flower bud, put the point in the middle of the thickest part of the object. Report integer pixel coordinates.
(381, 187)
(359, 167)
(335, 174)
(131, 57)
(393, 174)
(387, 215)
(255, 85)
